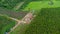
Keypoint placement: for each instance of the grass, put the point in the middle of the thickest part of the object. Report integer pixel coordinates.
(46, 22)
(37, 5)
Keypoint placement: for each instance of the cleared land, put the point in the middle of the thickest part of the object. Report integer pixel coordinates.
(10, 13)
(23, 21)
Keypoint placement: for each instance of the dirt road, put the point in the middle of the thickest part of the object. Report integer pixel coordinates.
(27, 19)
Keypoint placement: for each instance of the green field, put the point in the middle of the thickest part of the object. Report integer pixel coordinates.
(37, 5)
(6, 24)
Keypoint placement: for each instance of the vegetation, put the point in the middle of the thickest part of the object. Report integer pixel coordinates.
(20, 29)
(37, 5)
(6, 24)
(25, 4)
(9, 3)
(46, 22)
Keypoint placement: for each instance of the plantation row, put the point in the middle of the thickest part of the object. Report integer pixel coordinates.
(46, 22)
(6, 24)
